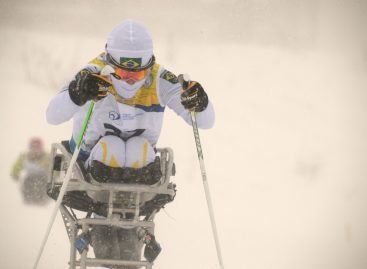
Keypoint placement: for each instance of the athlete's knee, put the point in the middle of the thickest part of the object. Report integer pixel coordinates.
(139, 152)
(110, 150)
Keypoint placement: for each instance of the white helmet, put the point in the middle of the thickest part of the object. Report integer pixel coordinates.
(130, 46)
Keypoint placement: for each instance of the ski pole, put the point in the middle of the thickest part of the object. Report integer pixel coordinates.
(206, 187)
(65, 181)
(182, 79)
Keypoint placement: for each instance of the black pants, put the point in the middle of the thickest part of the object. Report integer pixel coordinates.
(116, 243)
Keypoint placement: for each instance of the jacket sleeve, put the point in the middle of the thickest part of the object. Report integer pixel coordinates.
(61, 108)
(17, 167)
(170, 95)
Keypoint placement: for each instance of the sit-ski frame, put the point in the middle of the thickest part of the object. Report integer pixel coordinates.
(116, 195)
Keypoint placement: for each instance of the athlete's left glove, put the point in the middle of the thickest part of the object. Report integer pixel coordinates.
(193, 97)
(87, 86)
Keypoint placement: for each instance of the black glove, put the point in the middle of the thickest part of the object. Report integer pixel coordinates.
(193, 97)
(87, 86)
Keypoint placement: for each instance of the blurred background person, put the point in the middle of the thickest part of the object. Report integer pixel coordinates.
(30, 170)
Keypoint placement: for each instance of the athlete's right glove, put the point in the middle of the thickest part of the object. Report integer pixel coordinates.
(87, 86)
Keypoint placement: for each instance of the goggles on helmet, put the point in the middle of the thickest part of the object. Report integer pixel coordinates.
(124, 73)
(130, 75)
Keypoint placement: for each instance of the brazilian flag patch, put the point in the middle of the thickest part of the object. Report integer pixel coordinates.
(130, 62)
(167, 75)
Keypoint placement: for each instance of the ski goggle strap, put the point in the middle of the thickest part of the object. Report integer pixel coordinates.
(112, 61)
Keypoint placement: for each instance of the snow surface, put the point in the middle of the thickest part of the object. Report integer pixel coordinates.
(285, 160)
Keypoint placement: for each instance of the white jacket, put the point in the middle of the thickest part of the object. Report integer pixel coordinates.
(142, 115)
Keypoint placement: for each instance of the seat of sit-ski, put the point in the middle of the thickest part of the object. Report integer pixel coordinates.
(106, 180)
